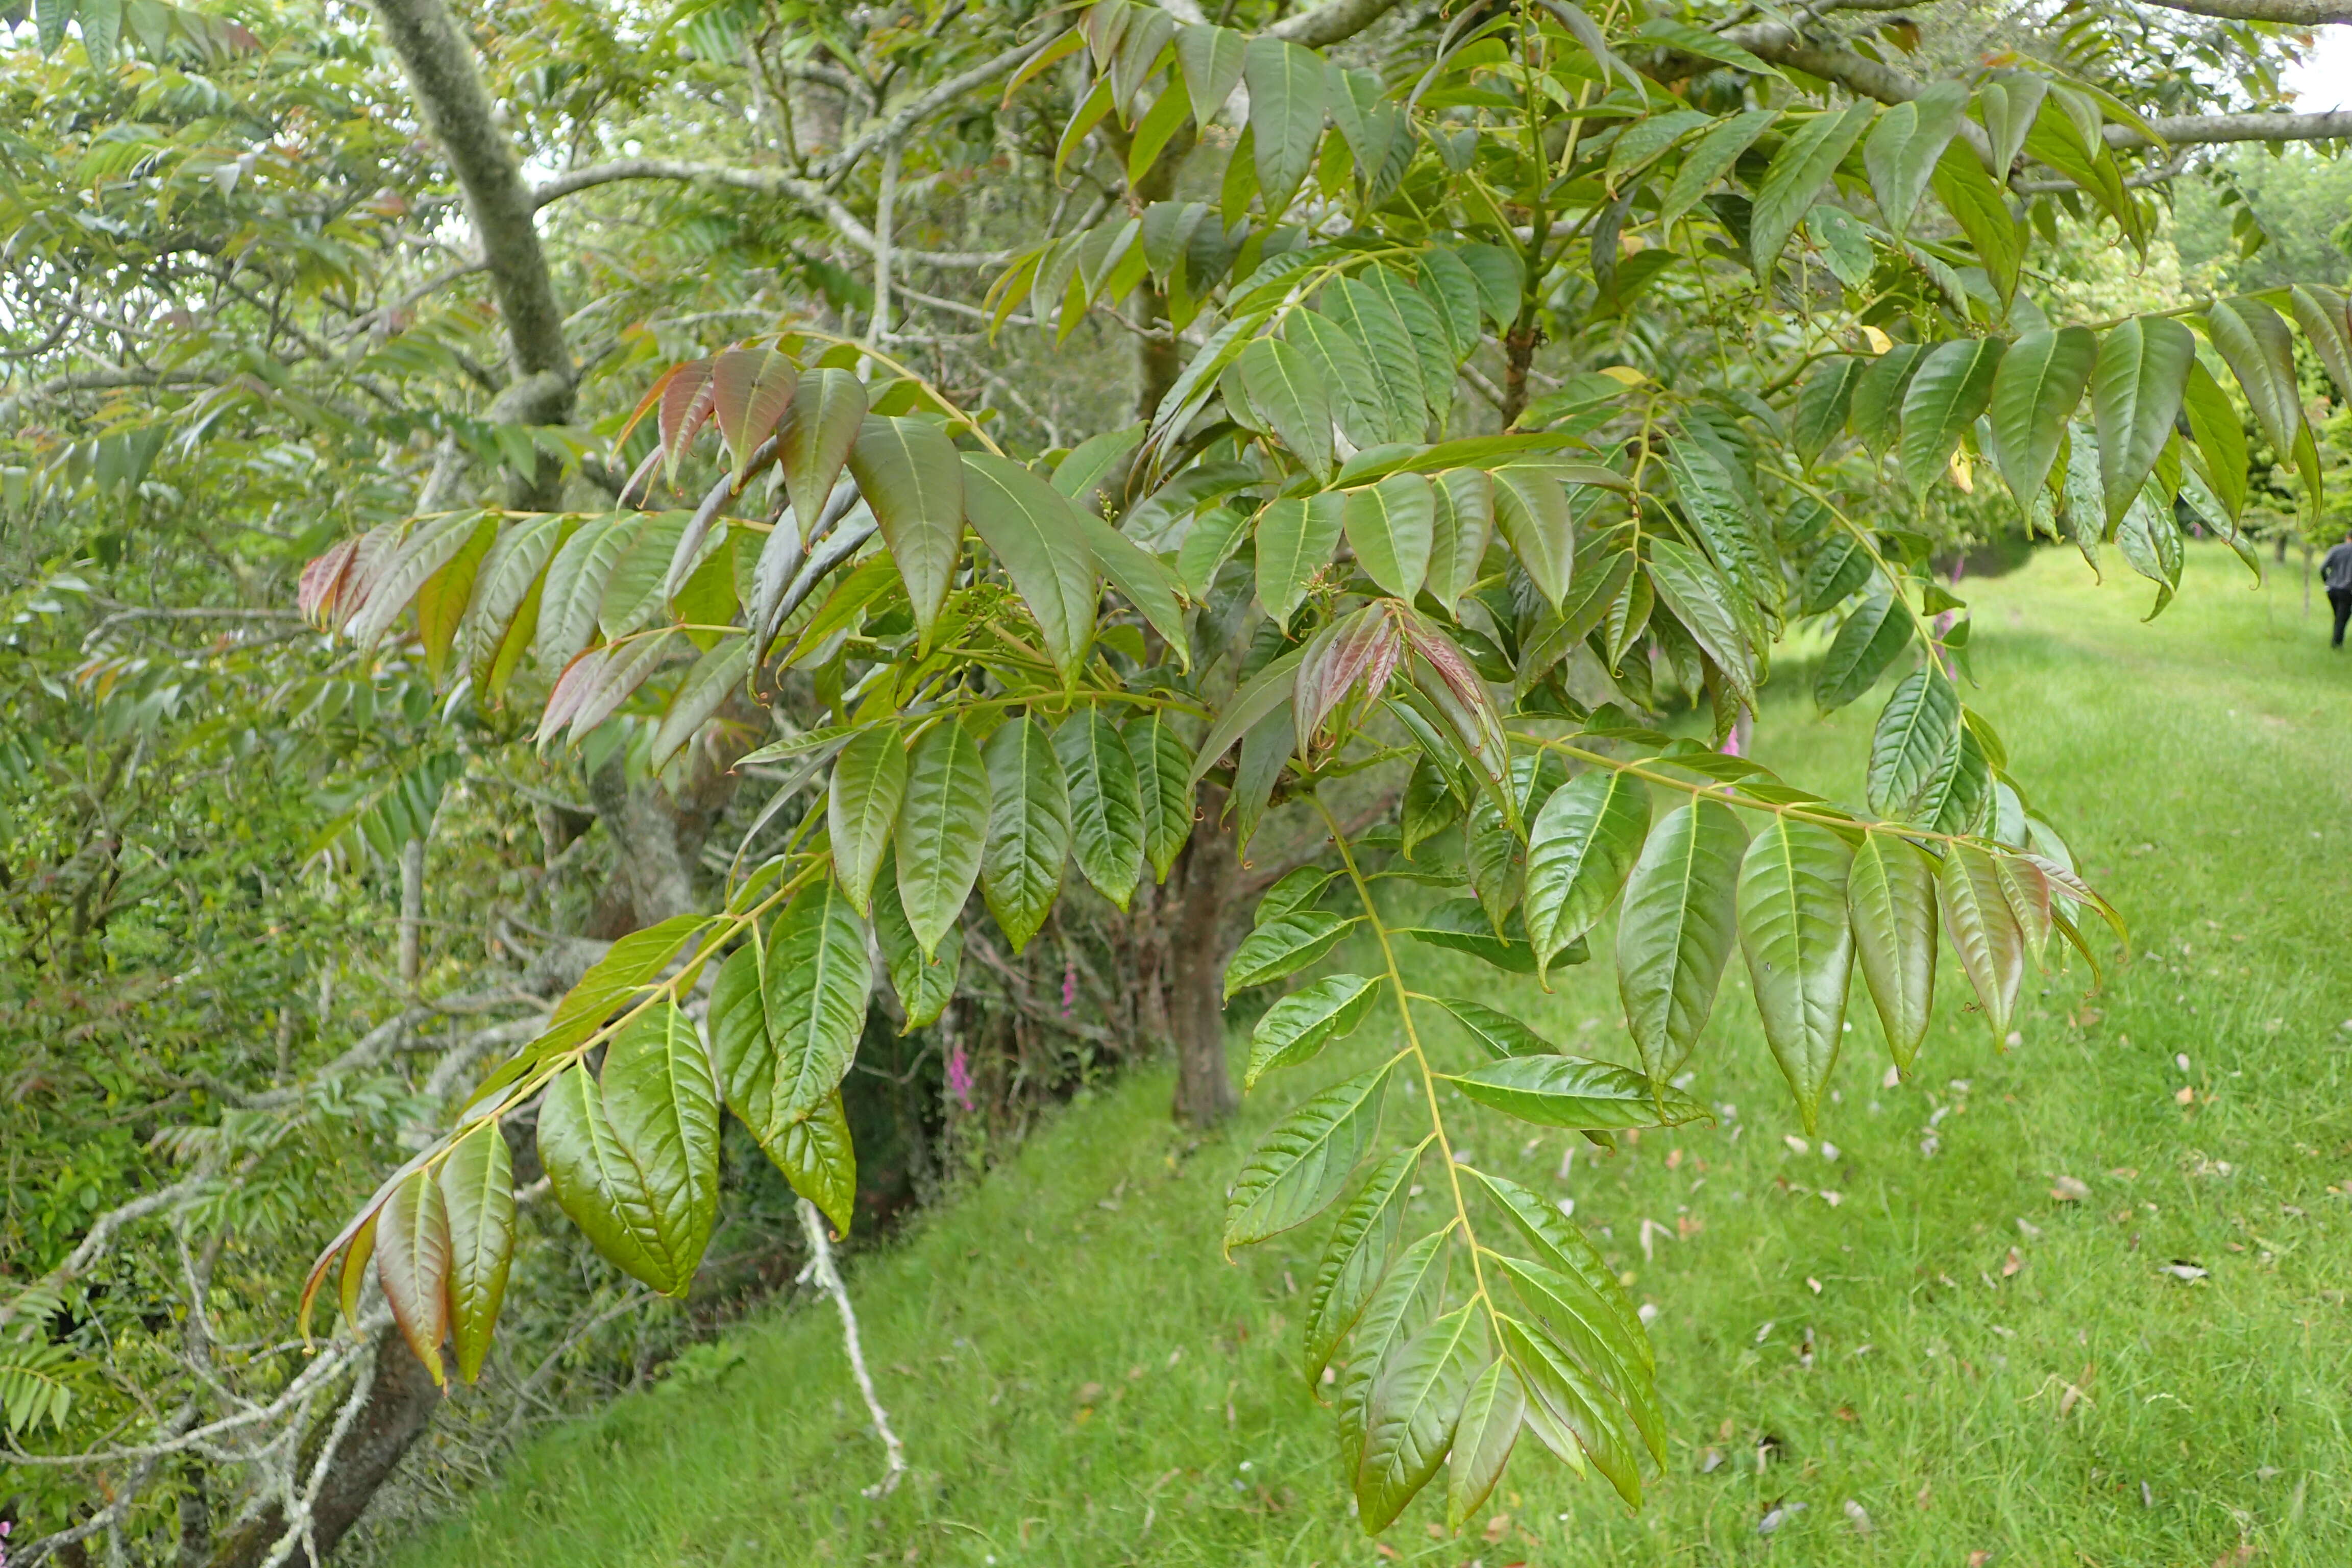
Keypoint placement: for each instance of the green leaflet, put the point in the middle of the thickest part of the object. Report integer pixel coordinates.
(1373, 322)
(2135, 391)
(1500, 279)
(1357, 1256)
(1823, 403)
(633, 1154)
(1028, 828)
(1270, 689)
(1581, 848)
(1697, 596)
(1296, 537)
(1569, 1091)
(1675, 930)
(2009, 104)
(785, 1019)
(942, 829)
(715, 677)
(412, 1263)
(1296, 891)
(1982, 209)
(1915, 744)
(1431, 804)
(1983, 930)
(1483, 1439)
(1106, 806)
(1298, 1027)
(925, 986)
(814, 440)
(574, 586)
(2221, 439)
(1407, 1297)
(1532, 510)
(1563, 1401)
(1304, 1162)
(477, 1196)
(1211, 59)
(2034, 393)
(1207, 544)
(1793, 181)
(1962, 795)
(1561, 1247)
(1708, 160)
(1453, 291)
(1424, 331)
(1841, 566)
(1891, 900)
(629, 964)
(1951, 387)
(817, 1157)
(1904, 145)
(1877, 408)
(1164, 788)
(912, 476)
(1141, 576)
(1590, 601)
(1499, 1034)
(1283, 387)
(2150, 541)
(1800, 952)
(2259, 351)
(1872, 639)
(1461, 521)
(1336, 363)
(1032, 529)
(1578, 1322)
(1391, 526)
(1286, 115)
(1284, 945)
(1463, 925)
(869, 777)
(1411, 1415)
(2320, 313)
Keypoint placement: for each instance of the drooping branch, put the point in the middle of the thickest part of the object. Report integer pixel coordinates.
(440, 66)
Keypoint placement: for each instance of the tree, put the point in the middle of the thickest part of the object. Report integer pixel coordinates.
(1738, 364)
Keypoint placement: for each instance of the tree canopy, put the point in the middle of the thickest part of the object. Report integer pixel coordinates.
(700, 394)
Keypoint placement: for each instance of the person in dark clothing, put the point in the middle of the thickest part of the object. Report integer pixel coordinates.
(2335, 574)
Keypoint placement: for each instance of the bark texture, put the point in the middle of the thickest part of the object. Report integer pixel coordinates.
(1199, 887)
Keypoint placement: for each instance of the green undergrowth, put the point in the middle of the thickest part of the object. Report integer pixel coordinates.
(1909, 1314)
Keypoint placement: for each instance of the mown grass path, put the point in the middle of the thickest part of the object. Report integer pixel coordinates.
(1901, 1315)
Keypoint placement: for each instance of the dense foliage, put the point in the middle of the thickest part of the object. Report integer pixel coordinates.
(1512, 385)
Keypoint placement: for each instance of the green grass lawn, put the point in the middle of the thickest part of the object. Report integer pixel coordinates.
(1932, 1337)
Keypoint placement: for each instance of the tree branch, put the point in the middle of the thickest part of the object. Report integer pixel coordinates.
(1330, 22)
(2294, 13)
(767, 181)
(439, 63)
(1782, 44)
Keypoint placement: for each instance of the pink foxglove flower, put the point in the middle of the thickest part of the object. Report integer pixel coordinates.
(960, 1076)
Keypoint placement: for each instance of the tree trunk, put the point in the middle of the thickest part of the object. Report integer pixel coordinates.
(412, 912)
(1201, 887)
(400, 1403)
(1519, 352)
